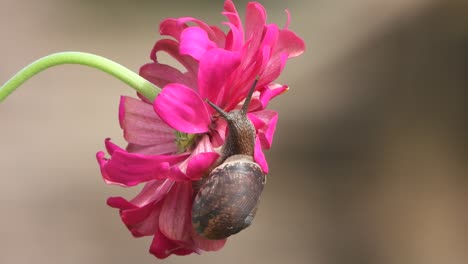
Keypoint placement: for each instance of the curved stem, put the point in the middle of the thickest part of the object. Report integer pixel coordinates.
(141, 85)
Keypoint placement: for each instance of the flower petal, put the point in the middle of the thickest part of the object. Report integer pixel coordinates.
(259, 157)
(289, 43)
(175, 213)
(162, 247)
(171, 47)
(161, 75)
(182, 109)
(265, 124)
(270, 92)
(143, 127)
(233, 16)
(129, 169)
(194, 41)
(200, 160)
(216, 65)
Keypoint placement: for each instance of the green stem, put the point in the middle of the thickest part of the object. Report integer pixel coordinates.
(129, 77)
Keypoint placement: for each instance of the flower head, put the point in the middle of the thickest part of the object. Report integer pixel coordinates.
(174, 141)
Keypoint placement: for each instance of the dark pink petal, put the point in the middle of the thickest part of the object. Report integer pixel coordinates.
(200, 160)
(265, 124)
(129, 169)
(161, 75)
(176, 211)
(259, 157)
(162, 247)
(216, 66)
(182, 109)
(199, 164)
(141, 221)
(171, 47)
(143, 127)
(171, 27)
(194, 41)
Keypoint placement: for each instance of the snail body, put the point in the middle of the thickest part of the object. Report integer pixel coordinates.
(227, 199)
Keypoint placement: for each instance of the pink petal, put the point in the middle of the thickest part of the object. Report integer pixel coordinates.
(141, 214)
(206, 244)
(234, 39)
(176, 211)
(143, 127)
(220, 37)
(216, 66)
(162, 247)
(255, 19)
(129, 169)
(194, 41)
(200, 160)
(157, 149)
(161, 75)
(171, 47)
(289, 43)
(271, 92)
(273, 69)
(233, 16)
(211, 34)
(171, 27)
(152, 192)
(182, 109)
(265, 124)
(259, 157)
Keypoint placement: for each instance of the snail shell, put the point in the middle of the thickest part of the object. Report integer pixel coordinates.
(227, 200)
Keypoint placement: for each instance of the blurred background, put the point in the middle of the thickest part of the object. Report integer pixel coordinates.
(369, 163)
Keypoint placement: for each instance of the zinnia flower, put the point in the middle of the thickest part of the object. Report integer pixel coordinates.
(173, 141)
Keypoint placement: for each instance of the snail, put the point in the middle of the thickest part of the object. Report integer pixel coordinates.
(227, 200)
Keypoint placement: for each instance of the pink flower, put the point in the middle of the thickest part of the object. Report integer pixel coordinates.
(173, 141)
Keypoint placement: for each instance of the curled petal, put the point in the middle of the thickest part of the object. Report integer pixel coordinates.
(200, 160)
(129, 169)
(171, 27)
(182, 109)
(289, 43)
(259, 157)
(265, 124)
(171, 47)
(162, 247)
(194, 41)
(234, 39)
(270, 92)
(233, 16)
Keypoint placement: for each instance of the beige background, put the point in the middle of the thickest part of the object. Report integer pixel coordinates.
(369, 163)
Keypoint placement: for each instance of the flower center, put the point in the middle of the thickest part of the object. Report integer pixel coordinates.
(184, 141)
